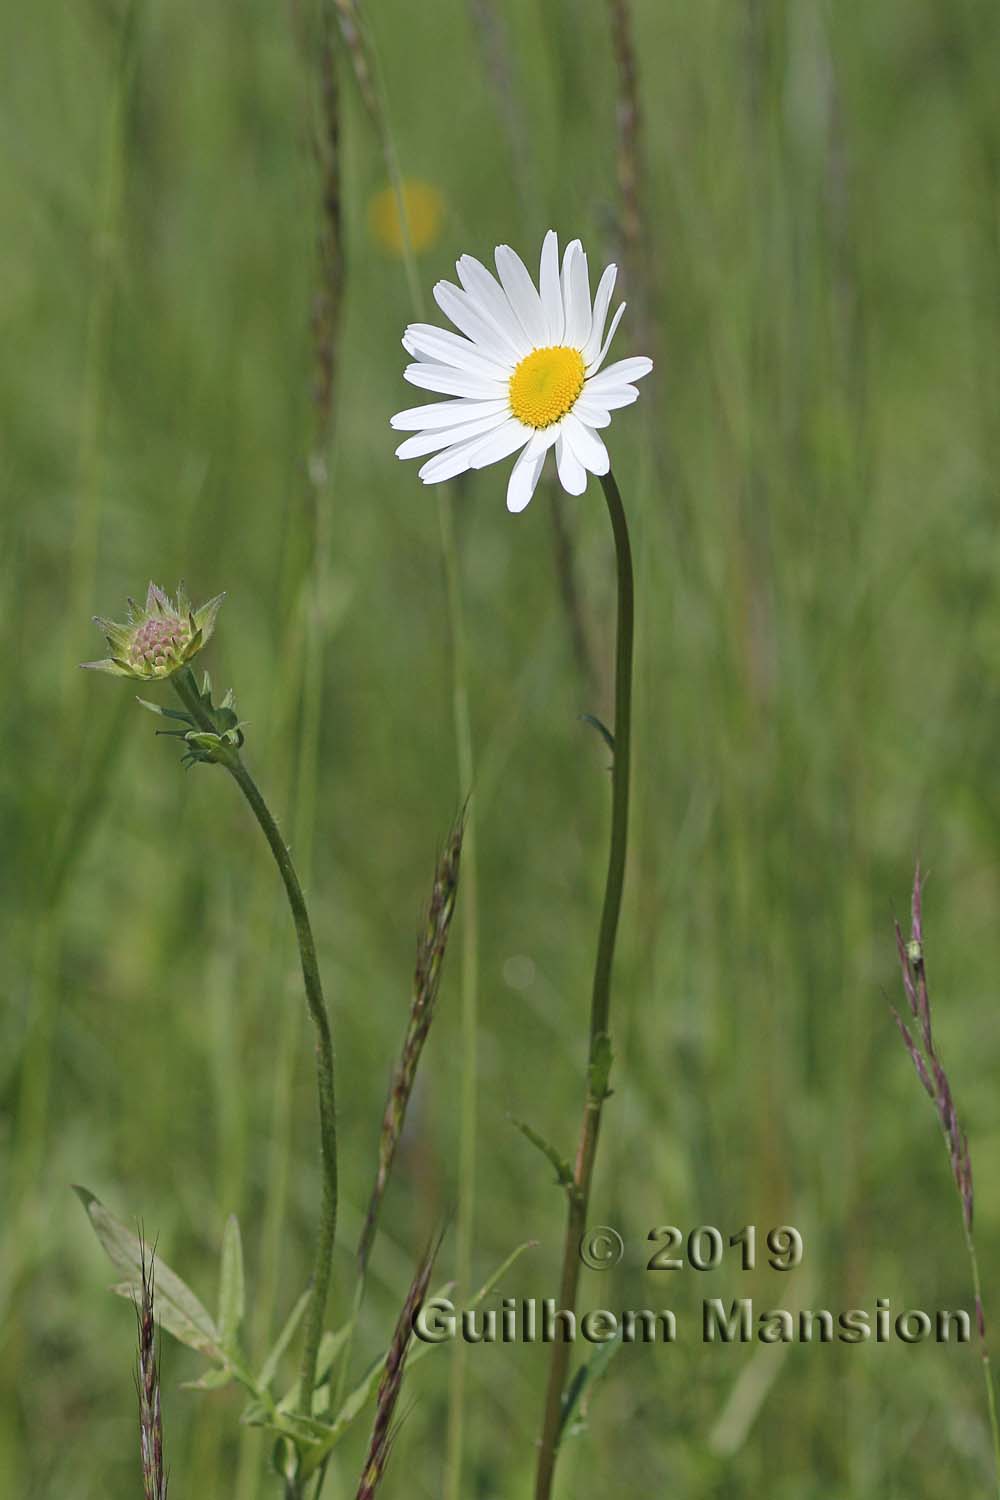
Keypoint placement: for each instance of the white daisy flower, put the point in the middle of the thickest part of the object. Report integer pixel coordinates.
(525, 372)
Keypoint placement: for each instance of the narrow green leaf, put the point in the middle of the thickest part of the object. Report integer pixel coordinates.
(600, 1066)
(176, 1307)
(281, 1343)
(330, 1346)
(564, 1173)
(581, 1388)
(232, 1292)
(165, 713)
(497, 1277)
(602, 730)
(212, 1380)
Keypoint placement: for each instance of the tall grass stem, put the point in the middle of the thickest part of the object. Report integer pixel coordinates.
(371, 84)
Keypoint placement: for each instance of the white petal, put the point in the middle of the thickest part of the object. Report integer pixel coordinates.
(472, 317)
(576, 296)
(524, 299)
(572, 474)
(445, 437)
(521, 485)
(595, 364)
(550, 288)
(601, 304)
(609, 400)
(490, 300)
(591, 412)
(621, 373)
(587, 446)
(526, 472)
(453, 461)
(502, 443)
(445, 414)
(453, 382)
(425, 342)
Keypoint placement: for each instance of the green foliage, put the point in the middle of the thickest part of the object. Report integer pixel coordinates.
(205, 746)
(179, 1311)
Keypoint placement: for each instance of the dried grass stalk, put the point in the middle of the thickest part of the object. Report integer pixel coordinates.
(926, 1062)
(431, 947)
(920, 1045)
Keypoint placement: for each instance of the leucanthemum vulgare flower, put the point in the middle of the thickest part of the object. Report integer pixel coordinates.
(159, 638)
(527, 374)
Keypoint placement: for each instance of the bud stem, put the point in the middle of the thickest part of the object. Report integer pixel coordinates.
(187, 691)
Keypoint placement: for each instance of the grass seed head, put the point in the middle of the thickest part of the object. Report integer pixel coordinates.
(154, 1476)
(431, 946)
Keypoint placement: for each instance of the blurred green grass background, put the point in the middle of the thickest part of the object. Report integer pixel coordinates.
(812, 480)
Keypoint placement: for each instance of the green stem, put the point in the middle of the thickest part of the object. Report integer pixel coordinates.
(991, 1400)
(466, 1216)
(579, 1197)
(187, 691)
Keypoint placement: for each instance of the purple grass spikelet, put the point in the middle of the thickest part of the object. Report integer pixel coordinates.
(930, 1070)
(391, 1382)
(431, 945)
(154, 1474)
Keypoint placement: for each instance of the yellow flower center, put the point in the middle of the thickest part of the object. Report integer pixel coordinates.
(545, 385)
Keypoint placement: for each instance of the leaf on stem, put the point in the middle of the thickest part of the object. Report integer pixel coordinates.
(599, 1071)
(580, 1391)
(232, 1288)
(177, 1308)
(269, 1368)
(602, 729)
(563, 1170)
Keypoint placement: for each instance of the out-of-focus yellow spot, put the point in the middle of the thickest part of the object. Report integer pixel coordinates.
(424, 206)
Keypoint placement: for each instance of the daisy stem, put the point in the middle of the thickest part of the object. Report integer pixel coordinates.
(599, 1061)
(187, 691)
(465, 1227)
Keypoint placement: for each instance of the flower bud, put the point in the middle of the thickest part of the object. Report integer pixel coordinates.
(159, 638)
